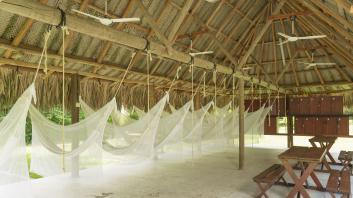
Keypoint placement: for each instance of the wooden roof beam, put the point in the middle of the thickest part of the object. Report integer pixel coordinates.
(179, 21)
(154, 25)
(191, 35)
(328, 20)
(244, 59)
(289, 15)
(47, 14)
(28, 50)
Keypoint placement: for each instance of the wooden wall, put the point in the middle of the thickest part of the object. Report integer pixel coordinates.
(312, 115)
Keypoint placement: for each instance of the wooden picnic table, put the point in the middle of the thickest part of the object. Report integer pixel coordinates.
(310, 157)
(324, 142)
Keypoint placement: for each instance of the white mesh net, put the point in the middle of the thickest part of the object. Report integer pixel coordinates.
(96, 140)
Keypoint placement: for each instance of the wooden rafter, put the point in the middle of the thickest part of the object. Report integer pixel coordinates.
(181, 17)
(154, 25)
(244, 59)
(288, 15)
(118, 26)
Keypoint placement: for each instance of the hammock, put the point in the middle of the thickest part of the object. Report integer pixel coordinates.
(51, 148)
(137, 138)
(13, 162)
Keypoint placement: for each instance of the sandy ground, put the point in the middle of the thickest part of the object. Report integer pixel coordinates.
(211, 176)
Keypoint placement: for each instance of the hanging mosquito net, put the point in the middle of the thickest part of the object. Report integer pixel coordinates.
(13, 162)
(135, 141)
(54, 146)
(213, 137)
(192, 135)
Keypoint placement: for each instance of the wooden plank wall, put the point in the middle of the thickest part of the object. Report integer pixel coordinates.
(317, 115)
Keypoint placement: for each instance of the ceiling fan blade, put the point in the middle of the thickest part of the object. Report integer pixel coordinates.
(283, 35)
(124, 20)
(282, 50)
(309, 66)
(325, 64)
(305, 63)
(200, 53)
(284, 42)
(311, 37)
(86, 14)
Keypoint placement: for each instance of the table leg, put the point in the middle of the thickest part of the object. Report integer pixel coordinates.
(325, 163)
(263, 190)
(329, 154)
(298, 181)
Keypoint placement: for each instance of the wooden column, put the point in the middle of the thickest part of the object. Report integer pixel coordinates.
(197, 101)
(75, 117)
(241, 124)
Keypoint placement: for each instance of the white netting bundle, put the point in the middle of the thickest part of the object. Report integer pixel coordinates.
(13, 162)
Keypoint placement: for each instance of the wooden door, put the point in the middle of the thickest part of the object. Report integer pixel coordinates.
(343, 126)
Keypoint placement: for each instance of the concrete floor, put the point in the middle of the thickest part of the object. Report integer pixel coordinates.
(211, 176)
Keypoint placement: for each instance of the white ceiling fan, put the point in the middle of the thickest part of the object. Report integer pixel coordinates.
(193, 54)
(107, 21)
(296, 38)
(314, 64)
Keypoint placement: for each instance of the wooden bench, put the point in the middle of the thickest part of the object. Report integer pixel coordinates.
(269, 177)
(339, 182)
(346, 158)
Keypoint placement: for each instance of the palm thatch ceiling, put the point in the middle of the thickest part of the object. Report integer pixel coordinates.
(242, 34)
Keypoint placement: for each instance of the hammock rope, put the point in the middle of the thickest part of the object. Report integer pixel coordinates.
(148, 61)
(176, 77)
(198, 86)
(64, 32)
(214, 78)
(233, 87)
(125, 73)
(43, 55)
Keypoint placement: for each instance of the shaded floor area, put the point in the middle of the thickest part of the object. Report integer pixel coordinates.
(213, 175)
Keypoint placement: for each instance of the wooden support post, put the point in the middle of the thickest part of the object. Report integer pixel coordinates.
(75, 117)
(241, 124)
(197, 102)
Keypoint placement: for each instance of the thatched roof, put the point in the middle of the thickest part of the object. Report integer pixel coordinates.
(238, 31)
